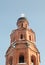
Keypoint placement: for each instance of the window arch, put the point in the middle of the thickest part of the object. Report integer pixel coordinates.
(21, 59)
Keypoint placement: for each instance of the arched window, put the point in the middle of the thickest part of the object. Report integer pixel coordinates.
(21, 36)
(22, 25)
(33, 60)
(30, 38)
(10, 61)
(21, 59)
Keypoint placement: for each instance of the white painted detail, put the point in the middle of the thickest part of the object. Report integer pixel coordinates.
(22, 63)
(32, 63)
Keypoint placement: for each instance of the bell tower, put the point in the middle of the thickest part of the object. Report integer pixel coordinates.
(22, 49)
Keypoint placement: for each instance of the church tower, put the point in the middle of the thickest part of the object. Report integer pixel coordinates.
(22, 49)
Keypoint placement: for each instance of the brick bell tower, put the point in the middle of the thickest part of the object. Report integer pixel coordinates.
(22, 49)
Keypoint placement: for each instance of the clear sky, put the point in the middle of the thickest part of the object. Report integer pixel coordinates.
(10, 11)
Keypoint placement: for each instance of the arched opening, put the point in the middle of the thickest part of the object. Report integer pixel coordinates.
(21, 36)
(11, 61)
(30, 38)
(33, 60)
(21, 59)
(22, 25)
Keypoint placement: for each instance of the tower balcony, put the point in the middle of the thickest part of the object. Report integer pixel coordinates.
(21, 63)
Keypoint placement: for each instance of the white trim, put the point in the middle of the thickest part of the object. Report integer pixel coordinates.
(22, 63)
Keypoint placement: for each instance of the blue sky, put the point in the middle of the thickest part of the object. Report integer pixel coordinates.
(10, 11)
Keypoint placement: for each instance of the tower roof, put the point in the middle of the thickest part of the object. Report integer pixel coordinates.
(22, 19)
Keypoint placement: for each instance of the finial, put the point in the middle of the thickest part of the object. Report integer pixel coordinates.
(22, 15)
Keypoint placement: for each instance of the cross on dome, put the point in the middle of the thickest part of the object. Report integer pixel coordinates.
(22, 21)
(22, 15)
